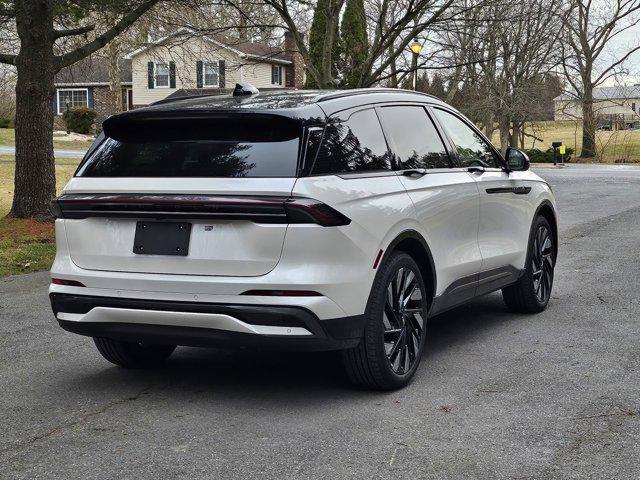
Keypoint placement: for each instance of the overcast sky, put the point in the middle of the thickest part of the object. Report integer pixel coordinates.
(619, 46)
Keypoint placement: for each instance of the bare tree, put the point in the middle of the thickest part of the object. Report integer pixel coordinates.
(42, 27)
(392, 25)
(591, 26)
(499, 58)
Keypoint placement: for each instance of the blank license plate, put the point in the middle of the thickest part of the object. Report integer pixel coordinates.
(162, 238)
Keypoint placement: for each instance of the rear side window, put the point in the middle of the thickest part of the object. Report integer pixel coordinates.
(196, 149)
(414, 138)
(354, 145)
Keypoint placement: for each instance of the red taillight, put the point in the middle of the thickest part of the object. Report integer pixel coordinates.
(282, 293)
(308, 210)
(68, 283)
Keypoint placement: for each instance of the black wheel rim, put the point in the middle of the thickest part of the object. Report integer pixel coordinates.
(542, 263)
(403, 320)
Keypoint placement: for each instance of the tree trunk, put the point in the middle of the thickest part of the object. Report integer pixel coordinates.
(515, 135)
(114, 75)
(326, 69)
(35, 181)
(505, 134)
(393, 80)
(588, 123)
(488, 124)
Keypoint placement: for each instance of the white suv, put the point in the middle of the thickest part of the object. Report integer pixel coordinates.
(308, 220)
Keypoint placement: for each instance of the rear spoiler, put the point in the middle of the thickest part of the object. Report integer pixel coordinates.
(149, 125)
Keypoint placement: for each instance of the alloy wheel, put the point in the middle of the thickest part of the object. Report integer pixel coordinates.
(542, 263)
(404, 320)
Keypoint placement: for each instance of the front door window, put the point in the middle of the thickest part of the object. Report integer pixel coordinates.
(473, 150)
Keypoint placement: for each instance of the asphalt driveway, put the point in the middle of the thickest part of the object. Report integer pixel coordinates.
(499, 395)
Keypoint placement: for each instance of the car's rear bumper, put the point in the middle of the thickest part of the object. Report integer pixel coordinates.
(203, 324)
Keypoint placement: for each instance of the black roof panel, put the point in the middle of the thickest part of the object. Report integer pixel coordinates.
(263, 101)
(308, 106)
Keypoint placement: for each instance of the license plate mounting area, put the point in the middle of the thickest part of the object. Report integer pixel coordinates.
(162, 238)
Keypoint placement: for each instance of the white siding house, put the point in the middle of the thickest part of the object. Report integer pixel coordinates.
(620, 104)
(187, 62)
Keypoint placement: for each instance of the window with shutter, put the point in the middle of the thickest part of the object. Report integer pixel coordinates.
(210, 74)
(276, 74)
(161, 76)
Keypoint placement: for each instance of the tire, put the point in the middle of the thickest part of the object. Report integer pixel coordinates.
(133, 355)
(531, 293)
(391, 365)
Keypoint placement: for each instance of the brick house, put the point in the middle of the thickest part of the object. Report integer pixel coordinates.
(180, 64)
(86, 83)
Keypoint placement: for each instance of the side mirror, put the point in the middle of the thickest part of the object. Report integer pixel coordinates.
(517, 160)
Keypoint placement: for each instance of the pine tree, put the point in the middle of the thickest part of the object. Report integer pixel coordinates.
(354, 43)
(317, 36)
(437, 87)
(422, 85)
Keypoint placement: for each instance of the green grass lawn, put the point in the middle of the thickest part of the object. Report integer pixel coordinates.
(7, 137)
(26, 245)
(612, 146)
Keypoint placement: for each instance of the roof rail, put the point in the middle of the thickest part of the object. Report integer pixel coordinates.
(363, 91)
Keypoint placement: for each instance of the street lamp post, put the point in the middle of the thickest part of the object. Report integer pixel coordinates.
(416, 48)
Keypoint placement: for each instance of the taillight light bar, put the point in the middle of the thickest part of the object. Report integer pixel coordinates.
(259, 209)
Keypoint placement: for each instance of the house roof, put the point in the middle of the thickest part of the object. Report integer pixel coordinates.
(623, 92)
(199, 92)
(92, 70)
(246, 49)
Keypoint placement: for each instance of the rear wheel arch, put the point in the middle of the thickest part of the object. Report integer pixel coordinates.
(414, 245)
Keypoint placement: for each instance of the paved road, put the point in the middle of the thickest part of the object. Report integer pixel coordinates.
(499, 395)
(57, 152)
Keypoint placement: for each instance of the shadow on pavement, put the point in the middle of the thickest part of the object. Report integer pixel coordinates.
(269, 374)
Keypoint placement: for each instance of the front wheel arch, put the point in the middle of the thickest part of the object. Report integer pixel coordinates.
(546, 210)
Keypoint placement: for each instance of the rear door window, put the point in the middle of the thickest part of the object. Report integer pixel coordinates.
(354, 145)
(414, 138)
(196, 149)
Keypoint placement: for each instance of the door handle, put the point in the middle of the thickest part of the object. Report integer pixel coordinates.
(415, 172)
(475, 169)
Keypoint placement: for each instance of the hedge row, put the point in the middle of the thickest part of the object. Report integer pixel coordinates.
(539, 156)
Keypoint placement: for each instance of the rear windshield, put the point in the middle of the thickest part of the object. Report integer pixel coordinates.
(184, 149)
